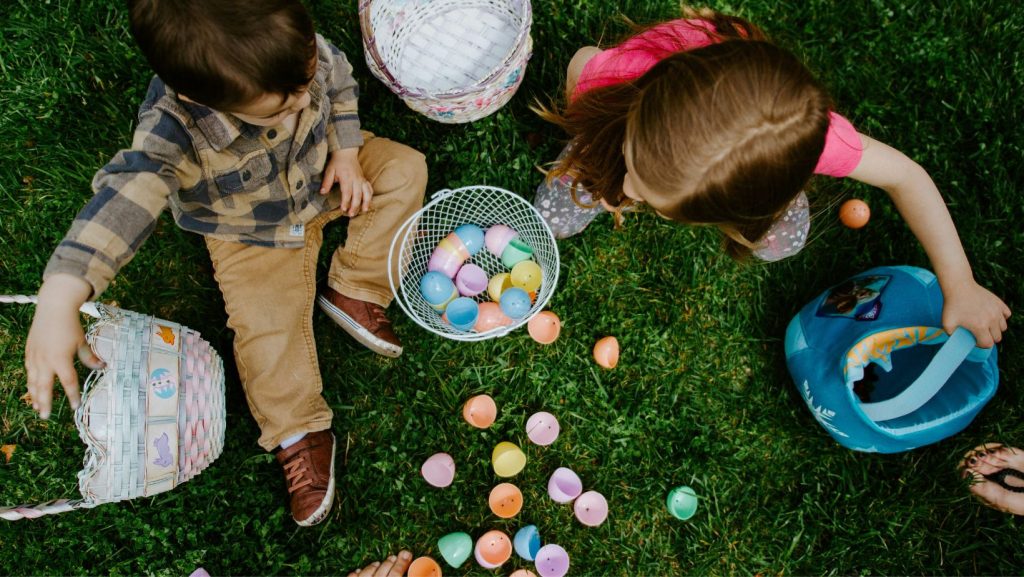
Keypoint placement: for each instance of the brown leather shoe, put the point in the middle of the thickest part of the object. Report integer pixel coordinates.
(365, 321)
(309, 474)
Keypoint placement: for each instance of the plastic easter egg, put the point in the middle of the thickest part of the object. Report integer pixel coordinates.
(471, 280)
(455, 548)
(527, 275)
(523, 573)
(472, 236)
(505, 500)
(424, 567)
(544, 327)
(515, 303)
(453, 243)
(591, 508)
(497, 238)
(515, 252)
(552, 561)
(606, 352)
(438, 290)
(480, 411)
(445, 261)
(854, 213)
(493, 549)
(564, 485)
(490, 317)
(498, 284)
(507, 459)
(542, 428)
(527, 542)
(462, 313)
(682, 502)
(439, 470)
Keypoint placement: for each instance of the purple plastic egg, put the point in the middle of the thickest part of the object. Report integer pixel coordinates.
(439, 470)
(471, 280)
(591, 508)
(498, 237)
(564, 485)
(542, 428)
(552, 561)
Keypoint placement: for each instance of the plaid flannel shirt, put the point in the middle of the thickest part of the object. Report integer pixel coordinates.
(222, 178)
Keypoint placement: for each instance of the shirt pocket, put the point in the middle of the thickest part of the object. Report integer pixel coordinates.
(251, 175)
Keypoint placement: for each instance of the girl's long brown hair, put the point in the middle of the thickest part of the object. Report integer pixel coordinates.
(727, 134)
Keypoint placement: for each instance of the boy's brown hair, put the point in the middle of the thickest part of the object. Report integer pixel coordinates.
(727, 134)
(226, 53)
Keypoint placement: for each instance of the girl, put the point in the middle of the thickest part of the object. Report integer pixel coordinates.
(708, 123)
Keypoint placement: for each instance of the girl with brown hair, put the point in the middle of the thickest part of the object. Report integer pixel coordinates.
(707, 122)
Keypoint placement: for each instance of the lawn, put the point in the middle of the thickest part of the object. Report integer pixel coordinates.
(701, 396)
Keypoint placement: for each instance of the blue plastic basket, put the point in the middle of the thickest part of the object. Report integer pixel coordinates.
(876, 369)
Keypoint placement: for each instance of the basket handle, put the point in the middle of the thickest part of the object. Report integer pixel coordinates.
(958, 348)
(90, 308)
(19, 512)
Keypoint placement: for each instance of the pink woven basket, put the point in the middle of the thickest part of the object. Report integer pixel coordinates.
(451, 60)
(151, 419)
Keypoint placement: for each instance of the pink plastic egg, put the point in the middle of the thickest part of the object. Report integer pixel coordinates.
(542, 428)
(591, 508)
(439, 470)
(497, 238)
(564, 485)
(523, 573)
(490, 317)
(445, 261)
(471, 280)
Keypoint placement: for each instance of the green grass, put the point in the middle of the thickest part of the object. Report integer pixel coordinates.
(701, 396)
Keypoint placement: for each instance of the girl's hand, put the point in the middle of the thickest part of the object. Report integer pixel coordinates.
(976, 309)
(53, 341)
(356, 192)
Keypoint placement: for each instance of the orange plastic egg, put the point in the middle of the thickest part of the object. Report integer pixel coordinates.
(505, 500)
(424, 567)
(489, 316)
(606, 352)
(854, 213)
(480, 411)
(545, 327)
(494, 547)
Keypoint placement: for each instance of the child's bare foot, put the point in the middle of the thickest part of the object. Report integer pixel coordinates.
(998, 476)
(391, 567)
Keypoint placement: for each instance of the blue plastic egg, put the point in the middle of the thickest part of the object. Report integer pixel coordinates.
(462, 313)
(472, 236)
(527, 542)
(515, 303)
(438, 290)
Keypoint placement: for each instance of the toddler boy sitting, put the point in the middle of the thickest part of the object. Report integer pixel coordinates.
(246, 129)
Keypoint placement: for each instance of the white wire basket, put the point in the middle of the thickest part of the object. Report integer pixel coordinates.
(453, 61)
(483, 206)
(152, 418)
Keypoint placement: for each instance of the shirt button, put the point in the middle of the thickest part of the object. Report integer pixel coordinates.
(299, 184)
(246, 175)
(271, 134)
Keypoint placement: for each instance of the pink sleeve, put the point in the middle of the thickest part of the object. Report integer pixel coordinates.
(631, 59)
(843, 148)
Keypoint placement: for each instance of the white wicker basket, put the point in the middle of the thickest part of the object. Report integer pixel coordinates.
(451, 60)
(151, 419)
(483, 206)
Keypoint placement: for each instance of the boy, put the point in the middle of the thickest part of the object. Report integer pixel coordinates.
(247, 127)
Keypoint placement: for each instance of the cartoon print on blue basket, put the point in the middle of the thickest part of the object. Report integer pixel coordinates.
(162, 382)
(163, 450)
(858, 298)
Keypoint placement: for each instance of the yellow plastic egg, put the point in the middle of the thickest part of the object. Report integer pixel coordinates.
(606, 352)
(507, 459)
(498, 284)
(480, 411)
(505, 500)
(527, 275)
(544, 327)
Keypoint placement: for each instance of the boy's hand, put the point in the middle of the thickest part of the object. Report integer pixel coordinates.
(53, 341)
(976, 309)
(343, 168)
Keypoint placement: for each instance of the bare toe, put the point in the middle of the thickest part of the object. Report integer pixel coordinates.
(1013, 457)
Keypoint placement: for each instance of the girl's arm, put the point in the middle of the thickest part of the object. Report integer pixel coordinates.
(966, 303)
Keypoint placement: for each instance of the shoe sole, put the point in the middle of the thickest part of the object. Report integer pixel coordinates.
(325, 506)
(357, 331)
